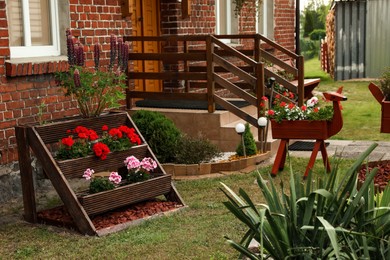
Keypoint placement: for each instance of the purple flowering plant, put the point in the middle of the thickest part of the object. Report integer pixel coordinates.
(139, 170)
(100, 87)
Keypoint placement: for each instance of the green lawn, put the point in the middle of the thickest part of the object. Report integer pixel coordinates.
(194, 233)
(361, 112)
(198, 231)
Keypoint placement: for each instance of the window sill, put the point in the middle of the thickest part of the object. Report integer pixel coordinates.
(35, 66)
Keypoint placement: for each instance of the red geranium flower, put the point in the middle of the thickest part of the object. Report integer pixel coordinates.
(105, 128)
(101, 150)
(83, 135)
(291, 105)
(92, 135)
(114, 132)
(81, 129)
(271, 112)
(67, 141)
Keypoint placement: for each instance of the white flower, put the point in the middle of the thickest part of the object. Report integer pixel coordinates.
(312, 102)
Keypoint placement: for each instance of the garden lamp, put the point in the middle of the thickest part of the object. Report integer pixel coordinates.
(240, 129)
(262, 122)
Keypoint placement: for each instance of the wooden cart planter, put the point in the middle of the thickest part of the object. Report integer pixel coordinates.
(41, 139)
(385, 105)
(319, 130)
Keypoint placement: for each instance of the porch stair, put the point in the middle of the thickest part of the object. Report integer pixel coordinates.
(218, 127)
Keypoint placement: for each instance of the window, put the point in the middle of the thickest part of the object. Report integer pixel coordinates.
(265, 19)
(33, 28)
(226, 20)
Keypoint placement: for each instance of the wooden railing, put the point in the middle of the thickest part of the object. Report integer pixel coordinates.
(207, 64)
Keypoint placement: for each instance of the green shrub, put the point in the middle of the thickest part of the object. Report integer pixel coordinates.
(100, 184)
(160, 133)
(249, 141)
(193, 150)
(309, 48)
(385, 83)
(322, 219)
(317, 34)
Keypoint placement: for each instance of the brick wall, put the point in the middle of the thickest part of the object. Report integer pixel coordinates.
(284, 31)
(25, 87)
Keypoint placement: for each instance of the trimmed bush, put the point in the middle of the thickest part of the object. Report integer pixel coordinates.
(160, 132)
(194, 150)
(249, 141)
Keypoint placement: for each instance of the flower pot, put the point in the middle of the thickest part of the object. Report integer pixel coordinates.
(125, 195)
(300, 129)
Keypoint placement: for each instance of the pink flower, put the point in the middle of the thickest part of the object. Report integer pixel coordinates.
(148, 164)
(115, 178)
(132, 162)
(88, 174)
(264, 98)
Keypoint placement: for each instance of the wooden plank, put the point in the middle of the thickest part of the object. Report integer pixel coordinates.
(277, 46)
(222, 52)
(166, 95)
(235, 70)
(53, 132)
(26, 175)
(235, 90)
(167, 75)
(74, 168)
(168, 57)
(210, 76)
(282, 81)
(126, 195)
(276, 61)
(60, 184)
(235, 110)
(219, 69)
(234, 52)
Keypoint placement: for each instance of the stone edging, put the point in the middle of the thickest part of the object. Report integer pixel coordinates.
(181, 170)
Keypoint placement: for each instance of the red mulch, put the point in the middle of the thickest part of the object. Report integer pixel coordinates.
(60, 216)
(382, 177)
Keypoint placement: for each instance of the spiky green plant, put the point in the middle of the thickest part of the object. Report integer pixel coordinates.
(322, 219)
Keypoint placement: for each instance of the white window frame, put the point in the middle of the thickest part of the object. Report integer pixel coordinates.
(38, 51)
(230, 21)
(263, 19)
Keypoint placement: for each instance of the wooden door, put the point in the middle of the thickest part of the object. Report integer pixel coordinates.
(145, 21)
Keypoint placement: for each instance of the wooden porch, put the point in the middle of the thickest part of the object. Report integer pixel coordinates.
(207, 68)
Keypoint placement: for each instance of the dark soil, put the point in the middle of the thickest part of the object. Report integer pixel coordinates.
(381, 179)
(60, 216)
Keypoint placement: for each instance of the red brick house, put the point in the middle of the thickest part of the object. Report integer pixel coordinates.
(32, 47)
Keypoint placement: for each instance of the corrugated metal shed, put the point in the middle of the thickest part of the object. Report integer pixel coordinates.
(378, 37)
(350, 40)
(362, 38)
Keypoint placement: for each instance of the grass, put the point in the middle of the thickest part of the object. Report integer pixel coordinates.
(194, 233)
(361, 112)
(198, 231)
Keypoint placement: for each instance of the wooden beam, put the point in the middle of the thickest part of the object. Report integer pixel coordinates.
(26, 175)
(185, 8)
(68, 197)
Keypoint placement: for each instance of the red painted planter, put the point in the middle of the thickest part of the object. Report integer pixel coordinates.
(300, 129)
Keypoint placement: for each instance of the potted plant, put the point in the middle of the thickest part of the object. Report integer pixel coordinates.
(97, 88)
(382, 95)
(311, 121)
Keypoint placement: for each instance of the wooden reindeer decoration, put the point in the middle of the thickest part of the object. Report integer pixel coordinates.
(320, 130)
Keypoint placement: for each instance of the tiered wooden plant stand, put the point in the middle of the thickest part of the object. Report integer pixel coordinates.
(43, 138)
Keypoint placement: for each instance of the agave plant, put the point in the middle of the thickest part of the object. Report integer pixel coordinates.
(323, 219)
